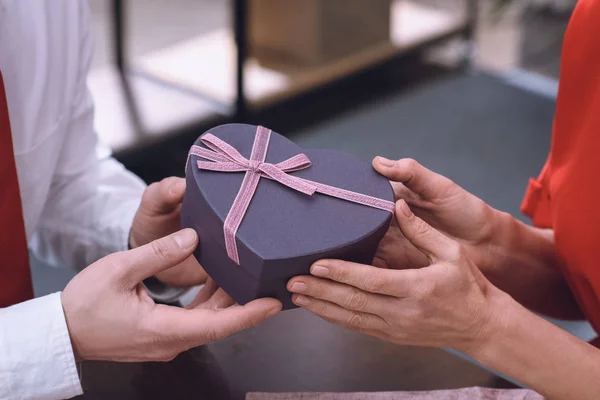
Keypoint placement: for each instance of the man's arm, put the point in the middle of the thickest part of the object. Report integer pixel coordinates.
(37, 361)
(93, 198)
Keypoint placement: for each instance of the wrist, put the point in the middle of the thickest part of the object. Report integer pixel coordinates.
(516, 244)
(496, 316)
(489, 243)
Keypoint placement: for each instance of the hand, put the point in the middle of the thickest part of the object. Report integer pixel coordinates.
(442, 204)
(448, 303)
(111, 317)
(158, 216)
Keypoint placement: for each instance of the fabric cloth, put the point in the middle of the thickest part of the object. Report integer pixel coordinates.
(78, 202)
(15, 275)
(474, 393)
(565, 195)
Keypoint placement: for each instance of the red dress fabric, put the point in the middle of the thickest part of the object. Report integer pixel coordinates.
(566, 195)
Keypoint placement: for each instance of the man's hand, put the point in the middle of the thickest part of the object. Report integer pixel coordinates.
(111, 317)
(157, 217)
(442, 204)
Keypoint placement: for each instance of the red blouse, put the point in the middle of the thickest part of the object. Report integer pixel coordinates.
(565, 196)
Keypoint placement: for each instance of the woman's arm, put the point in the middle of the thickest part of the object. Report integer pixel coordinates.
(449, 303)
(539, 354)
(517, 258)
(521, 260)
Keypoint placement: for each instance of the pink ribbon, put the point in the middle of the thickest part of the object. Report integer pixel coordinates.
(224, 158)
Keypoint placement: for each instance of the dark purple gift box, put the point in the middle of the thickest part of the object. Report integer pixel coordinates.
(283, 231)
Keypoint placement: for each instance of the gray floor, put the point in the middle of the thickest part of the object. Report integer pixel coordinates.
(487, 136)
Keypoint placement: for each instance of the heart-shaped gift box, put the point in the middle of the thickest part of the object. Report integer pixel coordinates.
(283, 231)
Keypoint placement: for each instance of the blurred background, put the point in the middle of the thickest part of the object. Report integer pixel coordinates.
(466, 87)
(461, 85)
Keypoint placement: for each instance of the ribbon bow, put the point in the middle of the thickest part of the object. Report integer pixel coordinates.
(224, 158)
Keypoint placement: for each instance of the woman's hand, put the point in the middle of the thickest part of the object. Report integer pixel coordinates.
(448, 303)
(517, 258)
(442, 204)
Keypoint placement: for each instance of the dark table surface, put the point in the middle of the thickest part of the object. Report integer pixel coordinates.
(294, 351)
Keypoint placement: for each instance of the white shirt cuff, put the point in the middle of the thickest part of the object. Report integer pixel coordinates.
(37, 359)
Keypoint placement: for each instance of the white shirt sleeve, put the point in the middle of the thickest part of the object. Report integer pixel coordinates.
(37, 361)
(93, 198)
(87, 214)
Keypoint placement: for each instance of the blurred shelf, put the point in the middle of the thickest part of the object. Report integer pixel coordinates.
(159, 110)
(207, 64)
(186, 86)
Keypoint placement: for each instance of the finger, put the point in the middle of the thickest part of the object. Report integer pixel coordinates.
(345, 296)
(432, 243)
(200, 326)
(368, 278)
(210, 287)
(163, 197)
(220, 299)
(154, 257)
(413, 175)
(353, 320)
(188, 273)
(402, 192)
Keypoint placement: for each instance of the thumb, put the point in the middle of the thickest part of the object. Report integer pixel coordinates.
(159, 255)
(432, 243)
(163, 197)
(413, 175)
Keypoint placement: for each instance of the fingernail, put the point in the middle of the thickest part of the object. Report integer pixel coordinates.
(186, 238)
(298, 287)
(385, 161)
(405, 208)
(317, 270)
(302, 300)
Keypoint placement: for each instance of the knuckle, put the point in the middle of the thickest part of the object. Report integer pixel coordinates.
(414, 315)
(355, 321)
(322, 308)
(357, 301)
(152, 188)
(375, 283)
(166, 356)
(166, 184)
(114, 266)
(156, 339)
(168, 180)
(339, 274)
(410, 164)
(162, 248)
(316, 288)
(423, 291)
(211, 334)
(422, 229)
(422, 226)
